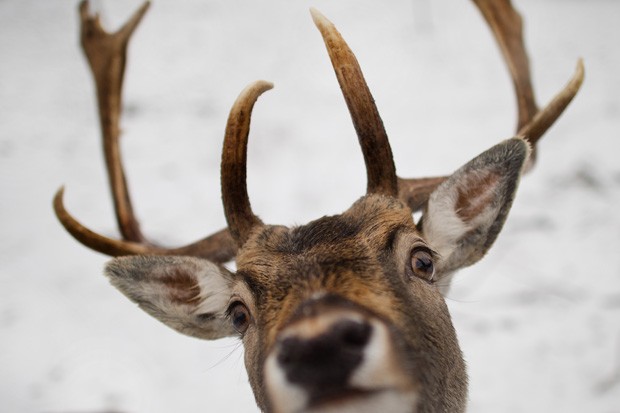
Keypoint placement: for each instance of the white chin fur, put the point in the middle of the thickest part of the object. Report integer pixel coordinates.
(387, 401)
(285, 397)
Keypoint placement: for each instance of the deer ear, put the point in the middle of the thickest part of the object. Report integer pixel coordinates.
(467, 211)
(187, 294)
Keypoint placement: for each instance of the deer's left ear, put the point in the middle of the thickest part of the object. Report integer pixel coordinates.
(467, 211)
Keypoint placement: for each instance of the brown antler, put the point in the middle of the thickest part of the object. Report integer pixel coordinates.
(241, 220)
(532, 123)
(106, 54)
(380, 169)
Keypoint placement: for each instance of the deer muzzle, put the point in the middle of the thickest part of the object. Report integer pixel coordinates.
(334, 355)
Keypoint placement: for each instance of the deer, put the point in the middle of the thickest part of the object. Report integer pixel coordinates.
(347, 312)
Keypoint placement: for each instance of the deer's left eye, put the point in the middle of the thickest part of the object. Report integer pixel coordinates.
(239, 316)
(422, 263)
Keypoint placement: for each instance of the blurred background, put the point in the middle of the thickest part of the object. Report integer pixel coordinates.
(538, 318)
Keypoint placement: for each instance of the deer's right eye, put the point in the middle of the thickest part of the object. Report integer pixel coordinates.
(239, 316)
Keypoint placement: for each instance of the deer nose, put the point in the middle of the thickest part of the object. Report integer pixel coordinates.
(325, 362)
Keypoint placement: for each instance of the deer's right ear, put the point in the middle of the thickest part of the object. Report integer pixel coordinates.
(188, 294)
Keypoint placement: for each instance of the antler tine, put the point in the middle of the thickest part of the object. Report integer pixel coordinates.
(106, 54)
(218, 247)
(241, 220)
(546, 117)
(380, 169)
(506, 25)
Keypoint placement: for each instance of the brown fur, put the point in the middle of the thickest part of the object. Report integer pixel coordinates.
(361, 256)
(473, 201)
(182, 288)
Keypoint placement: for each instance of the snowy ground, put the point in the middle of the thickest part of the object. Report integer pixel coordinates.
(539, 318)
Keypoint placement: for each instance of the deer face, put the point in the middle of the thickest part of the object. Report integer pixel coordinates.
(345, 313)
(342, 313)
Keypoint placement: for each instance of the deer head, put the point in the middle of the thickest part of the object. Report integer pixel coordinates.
(345, 313)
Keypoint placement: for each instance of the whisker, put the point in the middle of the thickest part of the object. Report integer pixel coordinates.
(236, 347)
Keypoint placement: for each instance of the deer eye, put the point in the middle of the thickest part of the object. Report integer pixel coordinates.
(422, 265)
(239, 316)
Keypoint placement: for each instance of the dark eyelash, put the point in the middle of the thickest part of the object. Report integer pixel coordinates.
(434, 254)
(231, 306)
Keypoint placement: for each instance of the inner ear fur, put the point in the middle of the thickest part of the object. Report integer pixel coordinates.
(185, 293)
(466, 212)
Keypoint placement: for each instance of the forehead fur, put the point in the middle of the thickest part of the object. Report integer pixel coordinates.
(341, 254)
(368, 221)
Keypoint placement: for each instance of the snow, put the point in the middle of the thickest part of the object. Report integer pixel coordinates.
(538, 318)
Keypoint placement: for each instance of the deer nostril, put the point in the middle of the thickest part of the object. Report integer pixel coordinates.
(289, 350)
(353, 333)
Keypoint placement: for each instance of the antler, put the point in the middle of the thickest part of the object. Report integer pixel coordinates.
(380, 169)
(507, 28)
(239, 216)
(532, 123)
(106, 55)
(506, 25)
